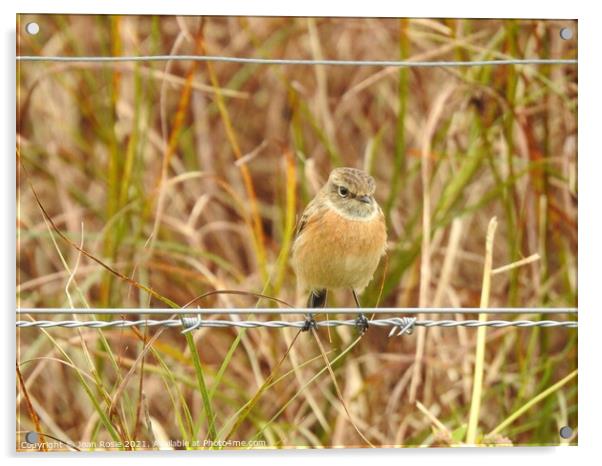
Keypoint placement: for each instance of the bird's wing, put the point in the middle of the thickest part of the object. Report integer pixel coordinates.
(301, 223)
(312, 210)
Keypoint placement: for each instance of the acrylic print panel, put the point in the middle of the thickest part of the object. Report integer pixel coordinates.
(166, 165)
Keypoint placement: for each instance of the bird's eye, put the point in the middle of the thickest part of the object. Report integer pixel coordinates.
(343, 191)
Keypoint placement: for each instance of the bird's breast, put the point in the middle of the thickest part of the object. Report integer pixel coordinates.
(334, 251)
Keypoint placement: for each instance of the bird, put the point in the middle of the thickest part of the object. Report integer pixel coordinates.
(340, 238)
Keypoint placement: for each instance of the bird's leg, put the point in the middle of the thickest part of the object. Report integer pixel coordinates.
(361, 321)
(316, 299)
(357, 299)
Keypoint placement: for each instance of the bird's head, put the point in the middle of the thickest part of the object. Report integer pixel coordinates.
(351, 192)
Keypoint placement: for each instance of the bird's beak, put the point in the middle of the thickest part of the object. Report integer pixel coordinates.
(365, 199)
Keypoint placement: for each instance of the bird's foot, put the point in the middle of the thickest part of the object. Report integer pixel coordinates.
(309, 324)
(361, 323)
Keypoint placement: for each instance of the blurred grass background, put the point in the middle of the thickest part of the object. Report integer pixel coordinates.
(188, 178)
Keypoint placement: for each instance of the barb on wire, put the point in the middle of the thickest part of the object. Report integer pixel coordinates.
(406, 327)
(191, 323)
(400, 325)
(294, 61)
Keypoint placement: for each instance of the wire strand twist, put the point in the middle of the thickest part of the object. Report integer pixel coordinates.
(400, 325)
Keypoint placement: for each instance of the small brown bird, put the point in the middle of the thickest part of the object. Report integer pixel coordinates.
(340, 238)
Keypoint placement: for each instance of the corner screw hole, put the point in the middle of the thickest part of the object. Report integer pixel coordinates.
(32, 28)
(566, 33)
(566, 432)
(31, 437)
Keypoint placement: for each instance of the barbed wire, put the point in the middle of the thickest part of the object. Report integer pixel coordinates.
(294, 61)
(400, 325)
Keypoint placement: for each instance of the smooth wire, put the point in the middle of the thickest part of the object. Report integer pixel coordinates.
(302, 311)
(288, 61)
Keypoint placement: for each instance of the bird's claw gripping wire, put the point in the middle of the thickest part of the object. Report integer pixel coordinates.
(309, 324)
(362, 324)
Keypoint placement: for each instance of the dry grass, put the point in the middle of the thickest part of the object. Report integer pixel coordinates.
(187, 178)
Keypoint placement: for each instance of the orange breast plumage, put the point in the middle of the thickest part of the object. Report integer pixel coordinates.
(334, 251)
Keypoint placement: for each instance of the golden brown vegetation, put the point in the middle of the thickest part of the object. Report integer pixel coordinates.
(187, 177)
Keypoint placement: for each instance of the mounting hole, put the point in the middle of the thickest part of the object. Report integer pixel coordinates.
(32, 437)
(32, 28)
(566, 432)
(566, 33)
